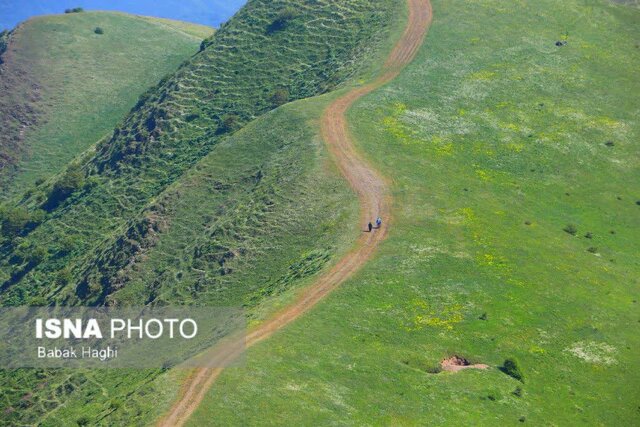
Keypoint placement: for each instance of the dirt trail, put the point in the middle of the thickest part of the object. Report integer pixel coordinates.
(374, 201)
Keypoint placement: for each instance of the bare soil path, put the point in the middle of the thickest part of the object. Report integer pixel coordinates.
(374, 201)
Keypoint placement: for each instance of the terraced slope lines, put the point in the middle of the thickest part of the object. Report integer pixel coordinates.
(188, 201)
(243, 72)
(372, 194)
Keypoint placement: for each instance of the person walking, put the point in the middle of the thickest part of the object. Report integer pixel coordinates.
(370, 227)
(378, 222)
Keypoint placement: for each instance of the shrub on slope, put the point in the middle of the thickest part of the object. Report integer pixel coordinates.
(4, 41)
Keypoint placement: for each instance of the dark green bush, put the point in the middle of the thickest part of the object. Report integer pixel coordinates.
(98, 30)
(511, 367)
(282, 20)
(435, 369)
(492, 397)
(280, 97)
(571, 229)
(4, 42)
(63, 277)
(83, 420)
(19, 221)
(207, 42)
(29, 255)
(230, 123)
(38, 254)
(70, 182)
(74, 10)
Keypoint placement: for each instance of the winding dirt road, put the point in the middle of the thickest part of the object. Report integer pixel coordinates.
(374, 201)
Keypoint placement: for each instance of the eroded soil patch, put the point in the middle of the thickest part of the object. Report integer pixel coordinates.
(457, 363)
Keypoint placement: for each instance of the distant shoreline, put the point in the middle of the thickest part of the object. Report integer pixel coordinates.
(211, 14)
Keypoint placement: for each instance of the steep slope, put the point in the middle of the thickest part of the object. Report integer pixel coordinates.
(495, 140)
(159, 208)
(266, 55)
(63, 86)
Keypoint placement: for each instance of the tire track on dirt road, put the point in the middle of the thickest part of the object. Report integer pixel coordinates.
(374, 201)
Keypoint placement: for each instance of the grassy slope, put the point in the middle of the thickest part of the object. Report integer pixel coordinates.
(492, 127)
(282, 251)
(115, 217)
(87, 82)
(263, 216)
(197, 31)
(261, 192)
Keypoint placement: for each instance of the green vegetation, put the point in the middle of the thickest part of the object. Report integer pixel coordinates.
(74, 10)
(482, 136)
(511, 367)
(282, 20)
(70, 182)
(496, 141)
(251, 220)
(17, 221)
(4, 42)
(280, 97)
(65, 397)
(195, 30)
(170, 129)
(571, 229)
(192, 200)
(63, 88)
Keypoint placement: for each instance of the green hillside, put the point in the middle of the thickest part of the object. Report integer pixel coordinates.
(191, 199)
(515, 234)
(510, 145)
(64, 86)
(195, 30)
(103, 213)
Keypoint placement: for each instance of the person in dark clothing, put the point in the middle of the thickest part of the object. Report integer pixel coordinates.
(370, 227)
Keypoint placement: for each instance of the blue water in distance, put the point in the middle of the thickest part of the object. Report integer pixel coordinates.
(207, 12)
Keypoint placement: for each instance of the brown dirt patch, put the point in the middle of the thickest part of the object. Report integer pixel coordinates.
(458, 363)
